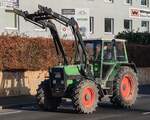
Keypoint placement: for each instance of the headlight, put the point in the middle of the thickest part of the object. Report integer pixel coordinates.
(54, 81)
(58, 75)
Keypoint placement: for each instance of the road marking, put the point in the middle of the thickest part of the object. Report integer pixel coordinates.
(146, 113)
(13, 112)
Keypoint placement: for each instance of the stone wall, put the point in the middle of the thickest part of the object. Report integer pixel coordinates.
(144, 76)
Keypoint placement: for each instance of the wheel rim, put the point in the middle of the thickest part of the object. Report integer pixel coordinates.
(88, 97)
(127, 87)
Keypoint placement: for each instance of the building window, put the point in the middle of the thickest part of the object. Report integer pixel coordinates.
(145, 26)
(145, 2)
(13, 20)
(108, 1)
(128, 25)
(109, 25)
(128, 2)
(92, 25)
(10, 3)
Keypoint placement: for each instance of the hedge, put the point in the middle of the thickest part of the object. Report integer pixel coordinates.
(135, 37)
(26, 53)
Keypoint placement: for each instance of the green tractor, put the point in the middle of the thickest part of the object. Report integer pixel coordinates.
(100, 69)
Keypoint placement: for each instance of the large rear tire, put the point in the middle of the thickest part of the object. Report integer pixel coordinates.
(125, 88)
(85, 96)
(44, 99)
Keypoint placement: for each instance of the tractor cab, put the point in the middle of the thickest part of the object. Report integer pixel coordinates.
(104, 54)
(106, 50)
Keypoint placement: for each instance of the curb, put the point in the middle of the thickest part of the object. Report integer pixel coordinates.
(17, 105)
(16, 101)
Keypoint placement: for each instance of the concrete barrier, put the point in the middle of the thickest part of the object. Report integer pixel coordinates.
(16, 83)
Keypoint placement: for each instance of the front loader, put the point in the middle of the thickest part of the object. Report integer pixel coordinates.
(100, 69)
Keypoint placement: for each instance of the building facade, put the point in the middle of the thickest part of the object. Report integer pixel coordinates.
(97, 18)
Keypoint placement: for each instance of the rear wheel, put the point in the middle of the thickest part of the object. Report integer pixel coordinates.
(85, 96)
(125, 88)
(44, 98)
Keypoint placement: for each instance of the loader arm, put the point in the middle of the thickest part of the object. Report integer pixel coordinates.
(43, 17)
(75, 30)
(40, 20)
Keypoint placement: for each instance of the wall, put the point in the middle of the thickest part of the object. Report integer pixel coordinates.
(144, 76)
(20, 82)
(26, 82)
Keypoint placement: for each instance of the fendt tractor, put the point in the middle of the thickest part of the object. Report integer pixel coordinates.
(100, 68)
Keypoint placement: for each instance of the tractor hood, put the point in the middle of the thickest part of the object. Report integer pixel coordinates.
(69, 70)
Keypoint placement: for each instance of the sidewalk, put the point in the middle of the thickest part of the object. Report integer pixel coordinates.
(18, 101)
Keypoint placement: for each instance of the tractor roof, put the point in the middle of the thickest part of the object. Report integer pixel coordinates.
(91, 40)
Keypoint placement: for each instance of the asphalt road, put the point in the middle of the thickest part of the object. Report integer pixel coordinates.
(141, 111)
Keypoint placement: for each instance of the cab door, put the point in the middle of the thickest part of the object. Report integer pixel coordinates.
(108, 59)
(97, 58)
(94, 50)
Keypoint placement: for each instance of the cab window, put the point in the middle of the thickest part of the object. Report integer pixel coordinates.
(108, 51)
(120, 53)
(90, 51)
(98, 52)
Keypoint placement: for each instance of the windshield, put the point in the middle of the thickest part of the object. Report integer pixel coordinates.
(93, 49)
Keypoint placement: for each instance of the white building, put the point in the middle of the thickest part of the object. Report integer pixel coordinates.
(97, 18)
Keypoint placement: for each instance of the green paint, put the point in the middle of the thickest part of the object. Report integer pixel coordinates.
(69, 82)
(115, 71)
(72, 69)
(126, 55)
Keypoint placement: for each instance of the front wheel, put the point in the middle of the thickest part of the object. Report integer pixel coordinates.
(125, 88)
(44, 98)
(85, 96)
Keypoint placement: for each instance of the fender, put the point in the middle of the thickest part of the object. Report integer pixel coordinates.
(132, 65)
